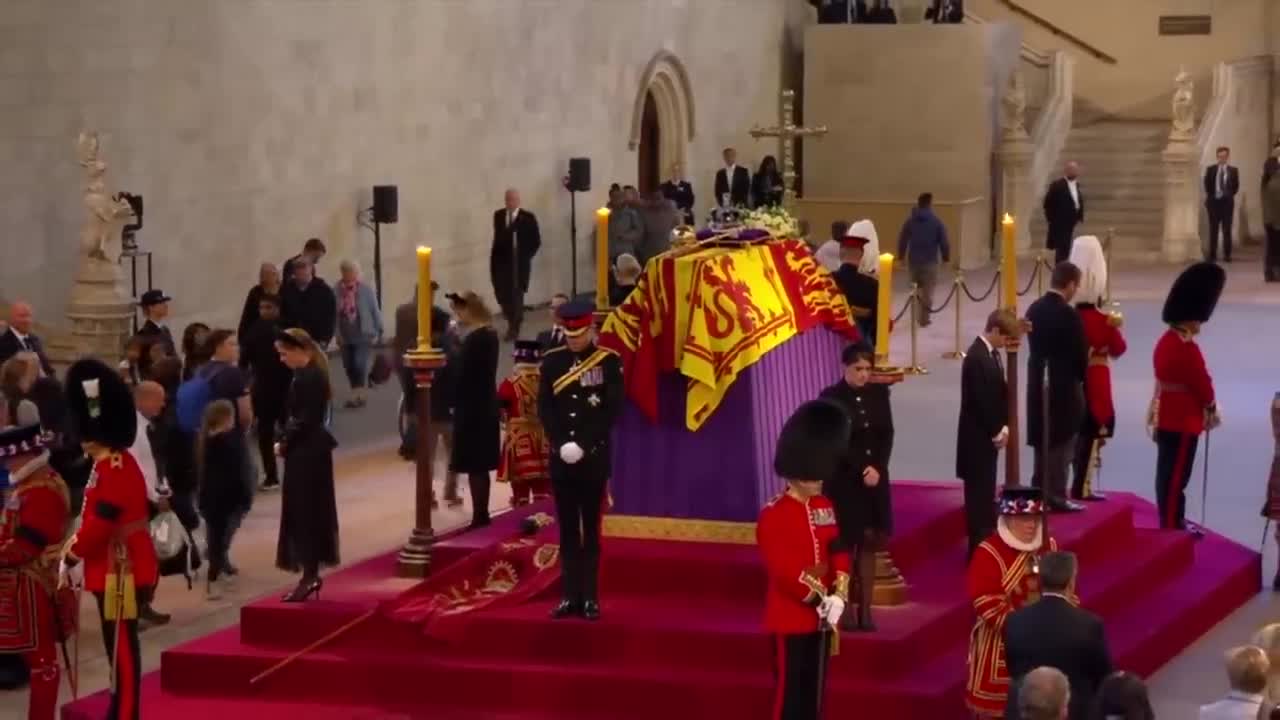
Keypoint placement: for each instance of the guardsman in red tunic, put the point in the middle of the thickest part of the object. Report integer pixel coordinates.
(1106, 342)
(807, 567)
(113, 547)
(1183, 403)
(526, 453)
(1003, 576)
(33, 526)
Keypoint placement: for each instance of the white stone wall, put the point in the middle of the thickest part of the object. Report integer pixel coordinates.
(250, 125)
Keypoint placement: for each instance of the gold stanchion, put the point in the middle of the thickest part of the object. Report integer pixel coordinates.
(915, 368)
(955, 353)
(1106, 252)
(1041, 264)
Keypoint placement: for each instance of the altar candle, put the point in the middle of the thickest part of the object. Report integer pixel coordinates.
(424, 297)
(883, 309)
(1008, 264)
(602, 258)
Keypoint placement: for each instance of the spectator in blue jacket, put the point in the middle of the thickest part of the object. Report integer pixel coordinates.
(923, 242)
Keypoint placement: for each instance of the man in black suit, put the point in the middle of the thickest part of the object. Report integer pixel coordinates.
(313, 251)
(679, 191)
(733, 181)
(983, 430)
(1053, 632)
(1063, 210)
(1221, 183)
(945, 12)
(553, 337)
(155, 308)
(1058, 346)
(516, 240)
(19, 337)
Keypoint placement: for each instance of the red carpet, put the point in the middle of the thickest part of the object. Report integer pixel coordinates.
(680, 637)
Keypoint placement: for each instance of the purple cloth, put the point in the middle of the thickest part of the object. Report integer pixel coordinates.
(724, 471)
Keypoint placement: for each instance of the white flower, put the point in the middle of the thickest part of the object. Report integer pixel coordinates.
(90, 388)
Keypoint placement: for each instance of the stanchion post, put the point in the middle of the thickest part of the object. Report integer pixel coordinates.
(1106, 252)
(916, 368)
(1041, 263)
(414, 559)
(956, 353)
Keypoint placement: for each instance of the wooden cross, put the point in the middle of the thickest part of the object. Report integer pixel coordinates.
(786, 131)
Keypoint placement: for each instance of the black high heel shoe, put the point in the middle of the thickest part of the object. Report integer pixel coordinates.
(305, 590)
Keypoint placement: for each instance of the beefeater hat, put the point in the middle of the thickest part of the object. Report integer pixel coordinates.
(1021, 501)
(813, 442)
(1086, 254)
(1194, 294)
(22, 440)
(101, 405)
(527, 352)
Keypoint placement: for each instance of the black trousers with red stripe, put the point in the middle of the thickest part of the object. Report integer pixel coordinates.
(800, 668)
(1175, 457)
(125, 654)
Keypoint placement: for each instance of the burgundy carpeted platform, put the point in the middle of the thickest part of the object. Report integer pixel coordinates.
(681, 638)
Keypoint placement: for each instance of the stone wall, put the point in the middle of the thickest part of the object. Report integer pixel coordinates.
(250, 125)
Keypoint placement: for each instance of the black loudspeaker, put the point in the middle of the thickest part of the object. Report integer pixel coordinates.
(579, 174)
(386, 204)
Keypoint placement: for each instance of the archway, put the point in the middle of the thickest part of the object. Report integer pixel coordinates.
(649, 173)
(662, 118)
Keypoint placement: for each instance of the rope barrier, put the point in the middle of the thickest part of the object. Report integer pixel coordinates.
(995, 280)
(905, 307)
(947, 301)
(1035, 275)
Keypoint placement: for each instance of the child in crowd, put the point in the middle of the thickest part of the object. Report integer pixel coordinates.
(221, 492)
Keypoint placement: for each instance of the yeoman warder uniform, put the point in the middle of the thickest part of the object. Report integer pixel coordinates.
(34, 615)
(579, 398)
(806, 563)
(113, 543)
(526, 456)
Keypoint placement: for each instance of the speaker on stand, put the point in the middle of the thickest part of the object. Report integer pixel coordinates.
(385, 211)
(578, 180)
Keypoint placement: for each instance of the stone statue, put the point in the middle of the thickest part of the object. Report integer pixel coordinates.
(1014, 105)
(1184, 119)
(105, 212)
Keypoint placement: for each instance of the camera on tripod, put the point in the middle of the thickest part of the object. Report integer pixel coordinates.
(128, 234)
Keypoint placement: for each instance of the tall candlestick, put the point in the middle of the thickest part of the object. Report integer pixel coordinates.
(424, 297)
(602, 258)
(1008, 264)
(883, 309)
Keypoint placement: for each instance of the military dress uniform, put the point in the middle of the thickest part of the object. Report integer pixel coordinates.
(113, 543)
(1106, 342)
(34, 616)
(1183, 404)
(579, 399)
(526, 455)
(861, 291)
(1003, 576)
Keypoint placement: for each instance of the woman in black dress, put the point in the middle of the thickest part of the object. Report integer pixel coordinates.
(766, 184)
(309, 508)
(476, 439)
(860, 490)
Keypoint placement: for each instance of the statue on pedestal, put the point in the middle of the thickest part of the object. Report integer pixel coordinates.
(1013, 120)
(1184, 117)
(106, 213)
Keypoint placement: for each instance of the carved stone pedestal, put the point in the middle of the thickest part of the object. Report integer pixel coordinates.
(1181, 239)
(890, 588)
(1016, 187)
(100, 312)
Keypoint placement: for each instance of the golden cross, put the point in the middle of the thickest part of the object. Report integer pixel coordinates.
(786, 131)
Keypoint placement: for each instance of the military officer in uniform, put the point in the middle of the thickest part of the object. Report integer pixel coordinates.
(579, 398)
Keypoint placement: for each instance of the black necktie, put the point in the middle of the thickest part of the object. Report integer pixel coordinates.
(995, 355)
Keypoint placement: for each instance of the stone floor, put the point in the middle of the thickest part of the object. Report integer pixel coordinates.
(1240, 344)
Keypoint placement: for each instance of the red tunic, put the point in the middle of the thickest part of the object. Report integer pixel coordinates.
(33, 526)
(1105, 341)
(115, 518)
(795, 538)
(526, 453)
(1184, 389)
(1000, 580)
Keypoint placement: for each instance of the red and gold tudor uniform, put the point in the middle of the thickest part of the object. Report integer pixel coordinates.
(1183, 404)
(526, 453)
(1003, 576)
(33, 525)
(804, 559)
(114, 540)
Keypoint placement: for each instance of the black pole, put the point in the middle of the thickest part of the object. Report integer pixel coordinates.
(377, 260)
(573, 242)
(1044, 455)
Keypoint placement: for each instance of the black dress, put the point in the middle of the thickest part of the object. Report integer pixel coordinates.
(860, 508)
(476, 440)
(309, 510)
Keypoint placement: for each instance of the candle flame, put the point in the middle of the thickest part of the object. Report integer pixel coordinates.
(886, 256)
(603, 212)
(424, 250)
(1008, 219)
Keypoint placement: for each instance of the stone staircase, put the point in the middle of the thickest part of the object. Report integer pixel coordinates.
(1123, 182)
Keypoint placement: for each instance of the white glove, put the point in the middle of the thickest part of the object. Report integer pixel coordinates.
(835, 608)
(1215, 418)
(571, 453)
(70, 575)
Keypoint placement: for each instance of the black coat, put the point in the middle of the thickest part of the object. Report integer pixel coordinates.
(941, 12)
(270, 378)
(984, 410)
(1056, 338)
(476, 440)
(308, 505)
(585, 409)
(313, 308)
(1061, 213)
(1211, 184)
(860, 508)
(1053, 633)
(154, 333)
(249, 314)
(504, 264)
(862, 292)
(222, 489)
(739, 189)
(762, 189)
(10, 345)
(550, 339)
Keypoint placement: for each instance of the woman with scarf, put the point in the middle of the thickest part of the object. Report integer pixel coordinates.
(359, 329)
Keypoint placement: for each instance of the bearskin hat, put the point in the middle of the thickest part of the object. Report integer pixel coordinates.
(101, 405)
(1194, 294)
(1086, 254)
(813, 442)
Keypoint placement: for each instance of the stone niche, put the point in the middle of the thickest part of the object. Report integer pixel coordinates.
(911, 109)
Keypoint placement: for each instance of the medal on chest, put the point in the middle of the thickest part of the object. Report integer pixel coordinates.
(592, 378)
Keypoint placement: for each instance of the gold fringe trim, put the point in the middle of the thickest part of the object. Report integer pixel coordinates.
(679, 529)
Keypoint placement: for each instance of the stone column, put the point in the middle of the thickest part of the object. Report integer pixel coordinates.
(1181, 240)
(100, 311)
(1015, 188)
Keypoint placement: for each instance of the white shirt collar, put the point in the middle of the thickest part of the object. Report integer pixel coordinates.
(1055, 594)
(990, 348)
(20, 336)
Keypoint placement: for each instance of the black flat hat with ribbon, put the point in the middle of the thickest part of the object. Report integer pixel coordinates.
(101, 405)
(21, 440)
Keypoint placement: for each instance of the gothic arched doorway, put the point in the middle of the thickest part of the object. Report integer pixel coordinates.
(649, 173)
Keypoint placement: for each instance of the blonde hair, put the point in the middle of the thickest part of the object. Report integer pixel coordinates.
(319, 360)
(217, 414)
(474, 307)
(1247, 668)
